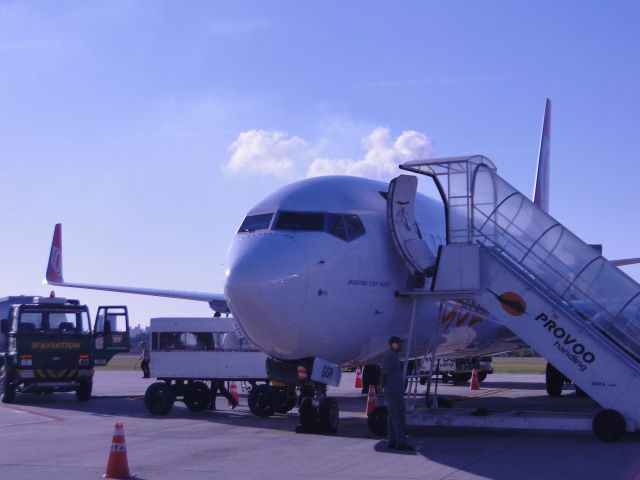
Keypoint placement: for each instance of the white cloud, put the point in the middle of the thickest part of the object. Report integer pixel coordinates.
(266, 152)
(381, 158)
(279, 154)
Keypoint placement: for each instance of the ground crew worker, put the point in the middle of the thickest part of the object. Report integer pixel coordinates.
(393, 384)
(218, 386)
(145, 358)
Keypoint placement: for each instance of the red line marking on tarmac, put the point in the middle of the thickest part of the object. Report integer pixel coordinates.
(489, 393)
(48, 418)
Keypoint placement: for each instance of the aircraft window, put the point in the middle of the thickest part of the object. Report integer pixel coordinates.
(354, 225)
(336, 226)
(310, 222)
(256, 222)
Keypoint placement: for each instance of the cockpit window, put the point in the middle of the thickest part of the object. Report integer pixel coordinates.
(354, 225)
(336, 227)
(345, 227)
(309, 222)
(256, 222)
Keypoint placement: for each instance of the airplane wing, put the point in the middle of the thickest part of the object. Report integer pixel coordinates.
(625, 261)
(54, 277)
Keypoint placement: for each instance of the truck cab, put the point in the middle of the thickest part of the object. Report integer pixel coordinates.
(48, 345)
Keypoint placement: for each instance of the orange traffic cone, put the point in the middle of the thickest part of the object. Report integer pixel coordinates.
(475, 384)
(372, 400)
(358, 378)
(118, 465)
(233, 390)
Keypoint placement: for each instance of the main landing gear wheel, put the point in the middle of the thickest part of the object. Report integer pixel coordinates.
(159, 398)
(609, 425)
(554, 381)
(7, 389)
(197, 396)
(83, 392)
(261, 401)
(377, 420)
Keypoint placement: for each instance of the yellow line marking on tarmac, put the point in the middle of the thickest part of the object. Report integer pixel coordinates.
(488, 393)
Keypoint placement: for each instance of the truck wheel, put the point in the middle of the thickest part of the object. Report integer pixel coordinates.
(459, 378)
(7, 389)
(197, 396)
(482, 376)
(83, 392)
(377, 421)
(554, 380)
(609, 425)
(261, 401)
(159, 398)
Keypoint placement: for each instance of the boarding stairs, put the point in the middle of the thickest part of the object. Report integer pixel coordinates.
(531, 274)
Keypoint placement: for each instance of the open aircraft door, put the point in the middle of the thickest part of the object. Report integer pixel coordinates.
(404, 229)
(111, 333)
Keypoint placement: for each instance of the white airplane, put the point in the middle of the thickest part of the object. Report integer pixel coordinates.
(313, 279)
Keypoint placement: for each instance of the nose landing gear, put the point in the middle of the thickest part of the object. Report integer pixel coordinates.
(317, 412)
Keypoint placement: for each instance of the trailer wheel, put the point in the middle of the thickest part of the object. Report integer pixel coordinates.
(159, 398)
(7, 389)
(261, 401)
(554, 381)
(197, 396)
(609, 425)
(377, 420)
(83, 392)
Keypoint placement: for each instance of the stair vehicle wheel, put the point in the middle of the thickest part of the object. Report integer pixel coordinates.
(330, 414)
(377, 421)
(554, 381)
(83, 392)
(609, 425)
(261, 401)
(306, 412)
(7, 389)
(197, 396)
(159, 398)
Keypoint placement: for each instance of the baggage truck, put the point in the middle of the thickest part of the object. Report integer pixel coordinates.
(49, 344)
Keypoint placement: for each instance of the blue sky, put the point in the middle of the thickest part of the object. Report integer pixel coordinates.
(144, 126)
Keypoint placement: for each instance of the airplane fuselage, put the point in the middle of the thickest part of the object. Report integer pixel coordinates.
(313, 272)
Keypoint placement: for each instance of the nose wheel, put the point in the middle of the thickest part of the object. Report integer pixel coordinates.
(317, 412)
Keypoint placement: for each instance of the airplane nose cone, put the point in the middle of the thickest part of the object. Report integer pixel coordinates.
(266, 284)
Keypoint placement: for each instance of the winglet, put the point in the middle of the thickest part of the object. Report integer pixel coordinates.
(54, 268)
(541, 188)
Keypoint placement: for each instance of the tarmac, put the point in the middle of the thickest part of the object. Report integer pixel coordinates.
(56, 437)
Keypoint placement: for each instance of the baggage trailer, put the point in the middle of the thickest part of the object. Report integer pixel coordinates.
(188, 353)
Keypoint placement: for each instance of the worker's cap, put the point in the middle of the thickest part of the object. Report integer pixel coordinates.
(395, 339)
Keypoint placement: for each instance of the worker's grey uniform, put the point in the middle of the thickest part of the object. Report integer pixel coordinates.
(394, 396)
